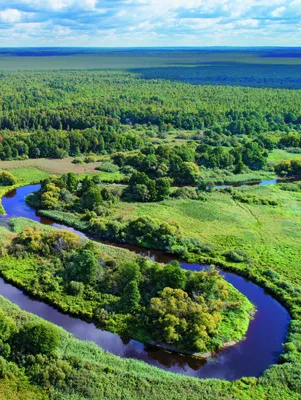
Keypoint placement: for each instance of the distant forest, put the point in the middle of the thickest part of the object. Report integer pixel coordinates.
(55, 114)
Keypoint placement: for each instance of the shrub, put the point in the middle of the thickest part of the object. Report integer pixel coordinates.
(76, 288)
(90, 159)
(7, 179)
(108, 167)
(77, 161)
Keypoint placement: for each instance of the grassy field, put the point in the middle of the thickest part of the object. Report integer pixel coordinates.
(51, 166)
(61, 166)
(270, 235)
(278, 155)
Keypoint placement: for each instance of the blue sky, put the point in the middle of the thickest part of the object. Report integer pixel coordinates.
(150, 23)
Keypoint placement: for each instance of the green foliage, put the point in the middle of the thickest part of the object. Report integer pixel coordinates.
(91, 198)
(289, 167)
(108, 167)
(178, 319)
(144, 189)
(90, 159)
(83, 267)
(7, 179)
(37, 338)
(130, 297)
(76, 288)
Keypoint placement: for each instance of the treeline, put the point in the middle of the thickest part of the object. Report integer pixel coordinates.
(60, 144)
(65, 99)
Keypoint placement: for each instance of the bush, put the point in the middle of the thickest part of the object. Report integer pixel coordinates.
(77, 161)
(108, 167)
(90, 159)
(76, 288)
(236, 256)
(7, 179)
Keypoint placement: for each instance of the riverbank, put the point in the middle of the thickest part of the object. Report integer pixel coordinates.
(23, 176)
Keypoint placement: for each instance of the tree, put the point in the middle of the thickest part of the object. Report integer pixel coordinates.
(176, 319)
(7, 326)
(173, 276)
(71, 182)
(91, 198)
(50, 196)
(37, 338)
(84, 267)
(128, 272)
(130, 297)
(162, 188)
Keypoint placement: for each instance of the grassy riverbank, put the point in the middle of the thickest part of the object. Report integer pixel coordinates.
(24, 176)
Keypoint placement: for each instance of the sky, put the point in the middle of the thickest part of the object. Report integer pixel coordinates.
(129, 23)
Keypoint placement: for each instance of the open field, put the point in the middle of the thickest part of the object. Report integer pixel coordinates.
(270, 235)
(278, 155)
(52, 166)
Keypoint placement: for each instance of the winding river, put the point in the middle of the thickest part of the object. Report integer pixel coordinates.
(250, 357)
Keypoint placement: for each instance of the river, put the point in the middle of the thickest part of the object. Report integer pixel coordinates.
(261, 348)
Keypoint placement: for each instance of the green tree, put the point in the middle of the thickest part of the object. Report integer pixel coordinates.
(37, 338)
(130, 297)
(173, 276)
(91, 198)
(84, 267)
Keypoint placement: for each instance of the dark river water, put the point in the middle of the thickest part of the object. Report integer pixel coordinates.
(250, 357)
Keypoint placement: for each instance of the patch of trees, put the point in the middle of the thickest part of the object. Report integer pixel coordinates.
(182, 163)
(32, 338)
(74, 194)
(130, 297)
(60, 144)
(141, 188)
(288, 168)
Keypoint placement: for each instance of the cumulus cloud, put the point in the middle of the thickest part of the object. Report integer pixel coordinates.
(151, 22)
(10, 15)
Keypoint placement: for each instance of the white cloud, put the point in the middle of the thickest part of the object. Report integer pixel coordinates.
(278, 12)
(155, 22)
(10, 15)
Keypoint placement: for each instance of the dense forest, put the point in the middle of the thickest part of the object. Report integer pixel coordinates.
(54, 114)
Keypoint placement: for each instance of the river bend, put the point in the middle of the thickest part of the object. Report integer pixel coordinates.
(261, 348)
